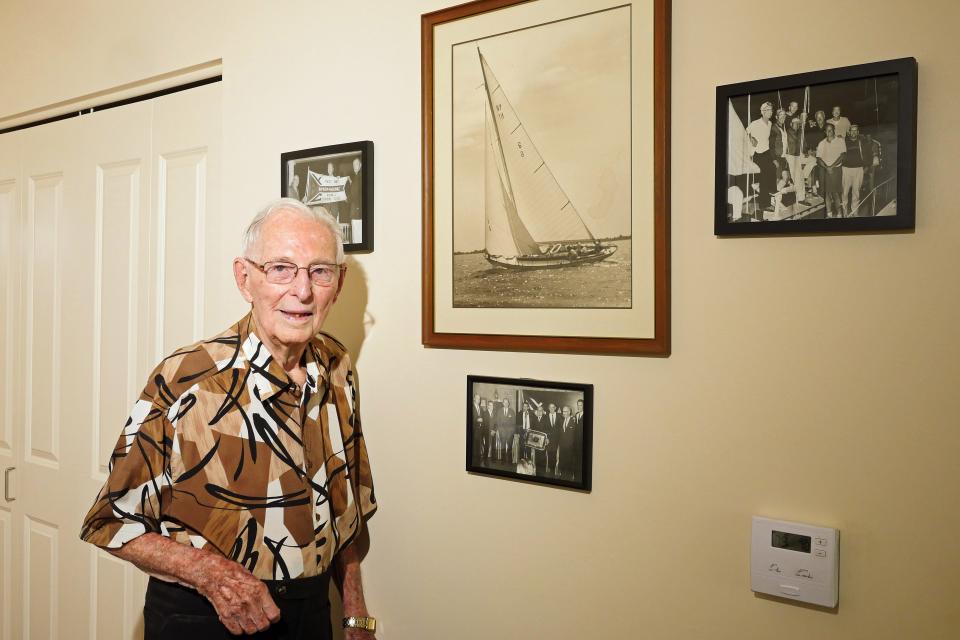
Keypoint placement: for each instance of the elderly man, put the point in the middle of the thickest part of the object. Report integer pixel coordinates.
(241, 482)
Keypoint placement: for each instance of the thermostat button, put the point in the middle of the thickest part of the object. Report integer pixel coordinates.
(789, 590)
(820, 553)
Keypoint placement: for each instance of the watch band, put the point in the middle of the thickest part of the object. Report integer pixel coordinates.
(360, 622)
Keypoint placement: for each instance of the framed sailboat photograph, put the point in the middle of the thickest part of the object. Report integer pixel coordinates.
(821, 152)
(546, 176)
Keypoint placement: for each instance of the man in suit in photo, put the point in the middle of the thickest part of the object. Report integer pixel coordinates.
(492, 419)
(478, 426)
(538, 422)
(568, 458)
(508, 432)
(553, 430)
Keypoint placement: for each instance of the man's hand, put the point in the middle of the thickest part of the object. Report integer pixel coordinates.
(243, 603)
(241, 600)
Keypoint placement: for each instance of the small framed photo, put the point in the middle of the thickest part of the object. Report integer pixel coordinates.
(530, 430)
(338, 178)
(826, 151)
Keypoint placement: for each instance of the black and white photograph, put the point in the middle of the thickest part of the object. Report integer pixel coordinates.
(542, 165)
(530, 430)
(338, 178)
(824, 151)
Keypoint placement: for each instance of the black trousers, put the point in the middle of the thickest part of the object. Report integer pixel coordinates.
(768, 176)
(176, 612)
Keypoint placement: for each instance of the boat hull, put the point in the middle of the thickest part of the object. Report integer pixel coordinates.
(551, 261)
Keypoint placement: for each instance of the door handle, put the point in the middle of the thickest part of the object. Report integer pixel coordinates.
(6, 484)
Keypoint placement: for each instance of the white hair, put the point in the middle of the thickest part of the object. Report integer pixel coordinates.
(252, 233)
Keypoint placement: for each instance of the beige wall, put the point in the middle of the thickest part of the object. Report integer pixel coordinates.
(811, 379)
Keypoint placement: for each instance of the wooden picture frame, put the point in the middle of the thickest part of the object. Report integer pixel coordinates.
(609, 291)
(789, 187)
(338, 177)
(512, 432)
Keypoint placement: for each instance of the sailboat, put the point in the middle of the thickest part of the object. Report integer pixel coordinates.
(530, 221)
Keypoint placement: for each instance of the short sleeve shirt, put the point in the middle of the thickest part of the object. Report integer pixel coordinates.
(761, 131)
(830, 150)
(223, 451)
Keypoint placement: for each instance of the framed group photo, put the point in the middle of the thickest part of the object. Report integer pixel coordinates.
(826, 151)
(546, 176)
(530, 430)
(338, 178)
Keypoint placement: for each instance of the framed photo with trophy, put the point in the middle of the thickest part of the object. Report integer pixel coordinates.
(338, 178)
(530, 430)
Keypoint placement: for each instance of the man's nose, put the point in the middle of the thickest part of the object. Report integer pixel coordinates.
(301, 284)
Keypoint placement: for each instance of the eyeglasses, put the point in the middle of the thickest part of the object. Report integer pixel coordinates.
(281, 272)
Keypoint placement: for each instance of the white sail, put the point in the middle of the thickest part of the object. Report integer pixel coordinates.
(498, 238)
(739, 149)
(532, 192)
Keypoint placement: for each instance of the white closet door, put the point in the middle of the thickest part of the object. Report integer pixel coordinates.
(115, 212)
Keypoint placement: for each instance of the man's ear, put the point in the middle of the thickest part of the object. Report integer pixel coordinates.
(343, 276)
(243, 278)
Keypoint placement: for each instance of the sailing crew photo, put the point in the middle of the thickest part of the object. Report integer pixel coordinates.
(541, 168)
(822, 151)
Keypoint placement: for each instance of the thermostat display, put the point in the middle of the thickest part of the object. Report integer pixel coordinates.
(791, 541)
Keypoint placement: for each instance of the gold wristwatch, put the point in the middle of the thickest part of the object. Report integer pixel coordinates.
(360, 622)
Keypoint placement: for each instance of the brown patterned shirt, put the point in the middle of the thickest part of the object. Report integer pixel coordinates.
(223, 451)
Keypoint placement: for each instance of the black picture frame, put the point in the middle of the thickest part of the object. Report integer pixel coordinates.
(355, 218)
(882, 94)
(506, 449)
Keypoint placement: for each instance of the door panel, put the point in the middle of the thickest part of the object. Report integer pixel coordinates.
(41, 550)
(112, 597)
(186, 148)
(182, 214)
(44, 210)
(117, 273)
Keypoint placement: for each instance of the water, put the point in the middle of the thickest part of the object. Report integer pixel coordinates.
(597, 285)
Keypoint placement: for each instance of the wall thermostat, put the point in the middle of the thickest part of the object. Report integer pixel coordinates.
(795, 561)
